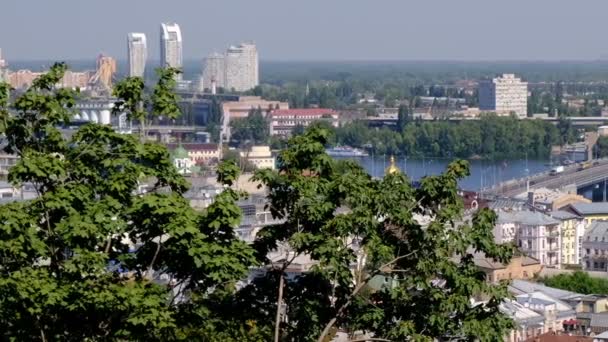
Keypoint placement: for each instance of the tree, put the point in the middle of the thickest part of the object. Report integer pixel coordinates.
(331, 206)
(133, 100)
(254, 128)
(403, 118)
(579, 282)
(84, 259)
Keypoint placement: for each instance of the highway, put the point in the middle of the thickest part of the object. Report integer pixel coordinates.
(571, 175)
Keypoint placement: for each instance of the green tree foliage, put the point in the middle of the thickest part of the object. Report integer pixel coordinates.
(142, 107)
(490, 137)
(255, 128)
(579, 282)
(403, 118)
(81, 261)
(330, 206)
(601, 147)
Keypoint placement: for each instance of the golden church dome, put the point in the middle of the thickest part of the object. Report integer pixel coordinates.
(392, 169)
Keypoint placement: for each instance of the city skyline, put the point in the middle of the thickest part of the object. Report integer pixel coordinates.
(415, 30)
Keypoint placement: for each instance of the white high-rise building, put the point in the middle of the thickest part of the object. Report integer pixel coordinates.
(214, 69)
(138, 53)
(170, 45)
(3, 69)
(241, 63)
(504, 95)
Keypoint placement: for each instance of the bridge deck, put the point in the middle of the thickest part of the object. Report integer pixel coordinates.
(571, 175)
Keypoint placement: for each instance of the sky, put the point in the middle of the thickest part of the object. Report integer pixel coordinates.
(313, 29)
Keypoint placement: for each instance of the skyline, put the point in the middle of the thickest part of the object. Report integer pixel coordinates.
(391, 31)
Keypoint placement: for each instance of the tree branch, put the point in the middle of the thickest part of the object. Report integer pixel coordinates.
(355, 291)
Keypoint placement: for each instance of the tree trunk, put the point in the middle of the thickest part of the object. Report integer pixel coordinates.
(277, 324)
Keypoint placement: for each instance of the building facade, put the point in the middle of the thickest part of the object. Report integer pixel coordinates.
(284, 121)
(241, 67)
(535, 234)
(595, 247)
(260, 157)
(572, 229)
(504, 95)
(214, 71)
(520, 267)
(200, 154)
(171, 45)
(137, 48)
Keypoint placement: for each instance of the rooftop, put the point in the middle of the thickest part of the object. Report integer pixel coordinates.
(526, 217)
(304, 111)
(563, 215)
(596, 231)
(482, 261)
(194, 147)
(553, 337)
(518, 287)
(596, 208)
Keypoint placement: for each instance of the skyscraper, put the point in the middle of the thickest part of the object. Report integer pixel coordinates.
(138, 53)
(214, 70)
(504, 95)
(170, 45)
(241, 64)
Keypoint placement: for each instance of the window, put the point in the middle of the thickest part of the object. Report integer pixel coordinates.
(588, 251)
(519, 243)
(529, 244)
(595, 265)
(543, 240)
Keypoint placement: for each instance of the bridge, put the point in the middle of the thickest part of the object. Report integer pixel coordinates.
(576, 121)
(571, 176)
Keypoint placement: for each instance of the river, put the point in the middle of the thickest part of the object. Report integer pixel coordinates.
(484, 173)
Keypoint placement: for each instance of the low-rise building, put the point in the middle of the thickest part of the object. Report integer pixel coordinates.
(552, 199)
(520, 267)
(528, 323)
(260, 157)
(200, 154)
(181, 160)
(284, 121)
(595, 246)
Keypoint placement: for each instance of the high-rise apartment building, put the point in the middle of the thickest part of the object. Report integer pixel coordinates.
(241, 65)
(214, 69)
(137, 48)
(170, 45)
(504, 95)
(3, 69)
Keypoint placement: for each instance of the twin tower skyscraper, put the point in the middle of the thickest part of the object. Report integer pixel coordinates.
(237, 69)
(170, 49)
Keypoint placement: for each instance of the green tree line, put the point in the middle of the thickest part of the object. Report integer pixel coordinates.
(490, 137)
(579, 282)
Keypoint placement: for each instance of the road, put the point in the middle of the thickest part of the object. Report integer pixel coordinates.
(571, 175)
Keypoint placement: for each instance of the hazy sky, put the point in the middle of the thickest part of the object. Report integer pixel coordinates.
(313, 29)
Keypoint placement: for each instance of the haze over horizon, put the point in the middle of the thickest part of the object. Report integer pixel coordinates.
(317, 30)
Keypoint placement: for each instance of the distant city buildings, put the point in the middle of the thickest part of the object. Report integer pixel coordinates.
(171, 45)
(504, 95)
(137, 48)
(284, 121)
(260, 157)
(240, 109)
(237, 69)
(214, 72)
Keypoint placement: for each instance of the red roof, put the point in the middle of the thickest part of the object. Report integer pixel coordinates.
(195, 147)
(304, 111)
